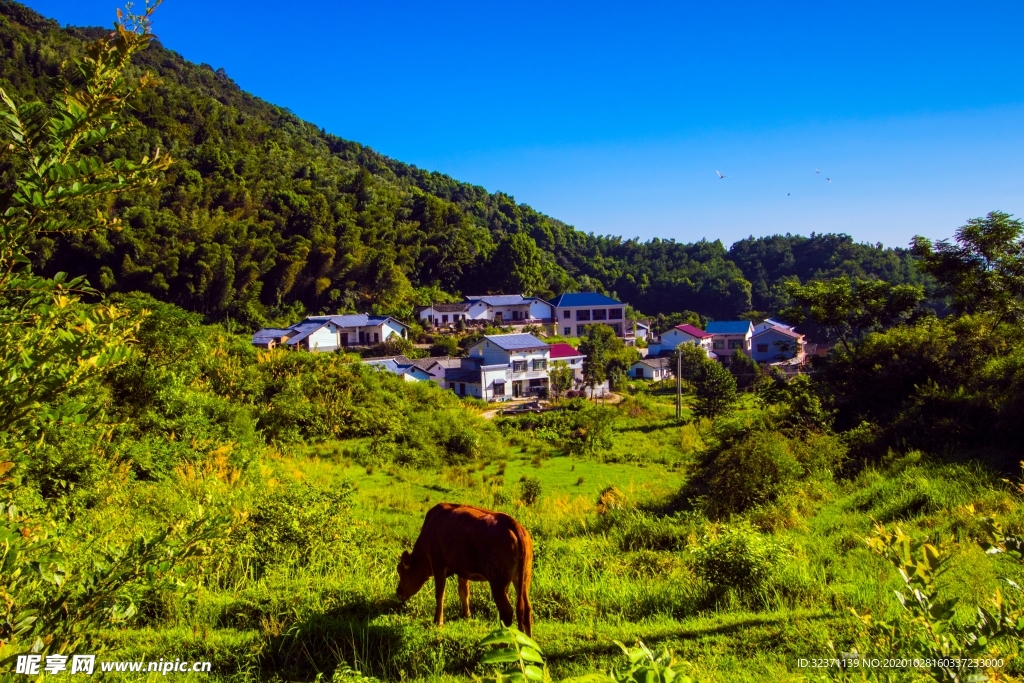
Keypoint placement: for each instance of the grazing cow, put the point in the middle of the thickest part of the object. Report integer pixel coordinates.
(475, 545)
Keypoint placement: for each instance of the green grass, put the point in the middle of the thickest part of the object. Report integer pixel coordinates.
(624, 575)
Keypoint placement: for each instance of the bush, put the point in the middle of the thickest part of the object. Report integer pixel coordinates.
(286, 524)
(529, 490)
(444, 346)
(739, 558)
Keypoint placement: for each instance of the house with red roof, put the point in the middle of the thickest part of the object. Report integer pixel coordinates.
(569, 355)
(681, 334)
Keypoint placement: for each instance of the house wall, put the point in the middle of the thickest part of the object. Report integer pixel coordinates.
(720, 345)
(324, 339)
(389, 328)
(673, 338)
(571, 326)
(772, 353)
(541, 310)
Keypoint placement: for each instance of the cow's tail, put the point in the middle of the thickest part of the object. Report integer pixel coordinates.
(524, 611)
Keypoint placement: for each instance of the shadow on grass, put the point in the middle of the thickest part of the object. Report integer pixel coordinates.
(373, 637)
(654, 638)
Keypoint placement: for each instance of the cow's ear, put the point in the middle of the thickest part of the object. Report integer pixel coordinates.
(405, 558)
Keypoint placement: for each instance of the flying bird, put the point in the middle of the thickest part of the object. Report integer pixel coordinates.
(722, 177)
(817, 171)
(787, 194)
(828, 179)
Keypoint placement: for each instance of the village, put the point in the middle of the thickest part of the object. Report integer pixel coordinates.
(512, 343)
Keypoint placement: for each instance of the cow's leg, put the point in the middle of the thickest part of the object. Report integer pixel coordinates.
(464, 596)
(505, 611)
(439, 579)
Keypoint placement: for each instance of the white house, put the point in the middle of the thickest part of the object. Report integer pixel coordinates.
(270, 337)
(500, 309)
(312, 335)
(652, 368)
(776, 343)
(510, 308)
(571, 357)
(511, 365)
(574, 311)
(729, 337)
(444, 315)
(361, 329)
(681, 334)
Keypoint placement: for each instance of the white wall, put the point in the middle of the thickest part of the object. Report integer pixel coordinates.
(324, 339)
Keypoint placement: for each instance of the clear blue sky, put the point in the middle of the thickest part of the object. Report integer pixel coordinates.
(615, 117)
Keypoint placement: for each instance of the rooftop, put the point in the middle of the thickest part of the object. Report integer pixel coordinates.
(356, 320)
(451, 308)
(729, 327)
(584, 299)
(781, 329)
(657, 361)
(515, 342)
(304, 329)
(463, 375)
(501, 299)
(692, 331)
(564, 351)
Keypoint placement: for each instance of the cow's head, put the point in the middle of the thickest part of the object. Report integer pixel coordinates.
(412, 574)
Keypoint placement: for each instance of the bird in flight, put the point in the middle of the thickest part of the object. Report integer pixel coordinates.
(817, 171)
(828, 179)
(787, 194)
(720, 176)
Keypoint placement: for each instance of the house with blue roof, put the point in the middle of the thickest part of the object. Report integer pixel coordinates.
(407, 370)
(498, 309)
(729, 337)
(511, 365)
(332, 332)
(575, 310)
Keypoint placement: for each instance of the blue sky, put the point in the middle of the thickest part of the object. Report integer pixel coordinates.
(615, 117)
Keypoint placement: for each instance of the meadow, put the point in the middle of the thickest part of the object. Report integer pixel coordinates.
(618, 556)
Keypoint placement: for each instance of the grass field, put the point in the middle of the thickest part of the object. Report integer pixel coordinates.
(621, 571)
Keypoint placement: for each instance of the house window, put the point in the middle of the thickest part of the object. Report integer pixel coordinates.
(519, 366)
(580, 329)
(499, 388)
(735, 343)
(567, 330)
(639, 373)
(583, 315)
(540, 364)
(567, 315)
(719, 344)
(762, 348)
(600, 314)
(444, 319)
(515, 315)
(376, 337)
(618, 329)
(615, 314)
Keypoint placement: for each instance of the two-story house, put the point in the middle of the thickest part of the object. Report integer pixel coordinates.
(574, 311)
(511, 365)
(773, 342)
(729, 337)
(565, 353)
(498, 309)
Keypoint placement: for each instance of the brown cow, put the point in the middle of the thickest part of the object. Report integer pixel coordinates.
(475, 545)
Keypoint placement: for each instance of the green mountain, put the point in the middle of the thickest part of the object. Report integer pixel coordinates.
(264, 212)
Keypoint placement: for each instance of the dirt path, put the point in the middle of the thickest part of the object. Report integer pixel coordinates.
(610, 399)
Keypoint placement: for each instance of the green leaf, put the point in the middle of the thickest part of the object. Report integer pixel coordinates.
(531, 655)
(502, 656)
(534, 673)
(498, 638)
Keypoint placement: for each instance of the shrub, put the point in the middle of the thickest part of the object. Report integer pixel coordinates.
(738, 557)
(529, 490)
(286, 524)
(444, 346)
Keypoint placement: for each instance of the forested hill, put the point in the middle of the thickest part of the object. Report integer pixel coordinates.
(263, 212)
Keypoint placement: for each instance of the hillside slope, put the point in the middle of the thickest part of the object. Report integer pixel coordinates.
(264, 211)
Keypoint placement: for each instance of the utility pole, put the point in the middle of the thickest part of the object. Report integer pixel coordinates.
(679, 385)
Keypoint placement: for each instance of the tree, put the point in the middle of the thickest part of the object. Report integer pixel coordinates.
(518, 265)
(715, 390)
(596, 345)
(849, 308)
(687, 359)
(560, 377)
(745, 369)
(983, 271)
(50, 339)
